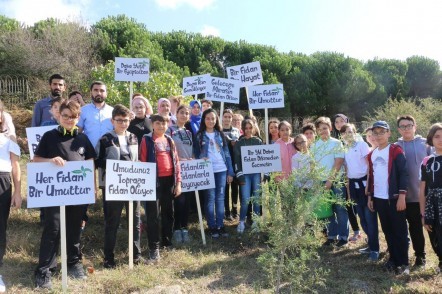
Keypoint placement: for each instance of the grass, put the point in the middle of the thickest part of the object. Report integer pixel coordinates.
(227, 265)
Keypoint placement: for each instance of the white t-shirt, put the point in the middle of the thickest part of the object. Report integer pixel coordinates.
(379, 158)
(215, 154)
(7, 146)
(325, 153)
(355, 160)
(124, 149)
(301, 165)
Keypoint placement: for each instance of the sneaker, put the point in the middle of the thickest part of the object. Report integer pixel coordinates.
(154, 256)
(185, 236)
(222, 232)
(365, 250)
(389, 266)
(329, 242)
(139, 261)
(177, 236)
(420, 262)
(241, 227)
(109, 264)
(374, 256)
(43, 280)
(342, 243)
(403, 270)
(2, 285)
(214, 233)
(76, 271)
(356, 237)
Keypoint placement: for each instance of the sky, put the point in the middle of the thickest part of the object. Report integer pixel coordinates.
(360, 29)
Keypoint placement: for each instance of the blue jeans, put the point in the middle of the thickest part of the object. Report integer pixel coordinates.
(369, 220)
(251, 188)
(215, 201)
(338, 222)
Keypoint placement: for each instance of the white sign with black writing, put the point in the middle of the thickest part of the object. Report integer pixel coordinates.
(247, 74)
(34, 136)
(261, 159)
(53, 185)
(132, 69)
(196, 175)
(130, 181)
(266, 96)
(195, 85)
(223, 90)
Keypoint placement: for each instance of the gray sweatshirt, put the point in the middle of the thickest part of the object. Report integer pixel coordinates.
(415, 151)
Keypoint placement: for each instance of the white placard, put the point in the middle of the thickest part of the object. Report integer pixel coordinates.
(196, 175)
(266, 96)
(195, 85)
(53, 185)
(223, 90)
(34, 136)
(261, 159)
(132, 69)
(247, 74)
(130, 181)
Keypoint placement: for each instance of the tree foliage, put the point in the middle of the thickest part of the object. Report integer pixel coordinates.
(323, 83)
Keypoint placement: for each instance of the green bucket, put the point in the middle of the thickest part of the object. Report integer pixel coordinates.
(324, 209)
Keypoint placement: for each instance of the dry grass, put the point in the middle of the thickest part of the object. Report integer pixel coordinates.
(227, 265)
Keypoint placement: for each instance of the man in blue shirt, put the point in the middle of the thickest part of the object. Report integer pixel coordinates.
(95, 117)
(41, 112)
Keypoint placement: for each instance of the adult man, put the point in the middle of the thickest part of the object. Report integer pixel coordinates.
(41, 112)
(95, 118)
(415, 149)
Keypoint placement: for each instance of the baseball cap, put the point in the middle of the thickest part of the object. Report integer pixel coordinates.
(381, 124)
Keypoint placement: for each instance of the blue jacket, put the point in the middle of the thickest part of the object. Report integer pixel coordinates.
(201, 149)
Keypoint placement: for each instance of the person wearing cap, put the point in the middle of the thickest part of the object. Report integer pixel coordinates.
(387, 189)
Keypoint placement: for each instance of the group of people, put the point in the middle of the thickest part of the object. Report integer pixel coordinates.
(400, 183)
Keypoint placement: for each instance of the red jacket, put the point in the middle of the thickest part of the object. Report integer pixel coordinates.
(397, 173)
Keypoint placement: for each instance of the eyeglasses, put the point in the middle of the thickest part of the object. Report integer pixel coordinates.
(121, 121)
(381, 133)
(406, 127)
(67, 117)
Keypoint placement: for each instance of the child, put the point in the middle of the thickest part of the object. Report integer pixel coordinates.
(328, 154)
(309, 131)
(195, 117)
(55, 111)
(415, 149)
(430, 191)
(387, 188)
(250, 184)
(285, 143)
(211, 143)
(237, 120)
(59, 145)
(164, 107)
(272, 127)
(206, 104)
(159, 148)
(232, 135)
(356, 164)
(301, 161)
(338, 121)
(184, 145)
(370, 138)
(118, 144)
(9, 164)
